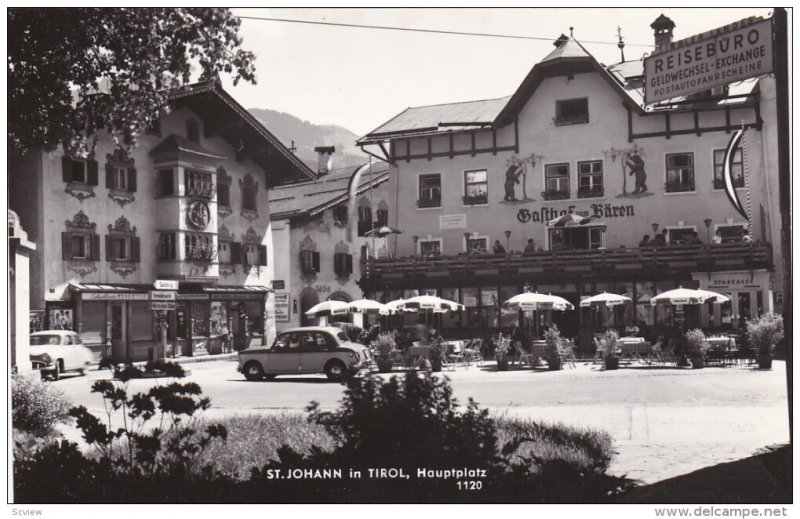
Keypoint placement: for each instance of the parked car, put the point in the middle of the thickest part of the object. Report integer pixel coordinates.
(43, 363)
(65, 348)
(311, 349)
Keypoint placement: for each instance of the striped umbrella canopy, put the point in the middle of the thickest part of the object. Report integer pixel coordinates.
(397, 306)
(329, 308)
(605, 299)
(534, 301)
(687, 296)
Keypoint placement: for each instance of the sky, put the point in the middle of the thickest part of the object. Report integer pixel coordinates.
(361, 78)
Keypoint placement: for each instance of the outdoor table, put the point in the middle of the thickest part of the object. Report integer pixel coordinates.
(639, 349)
(415, 353)
(724, 347)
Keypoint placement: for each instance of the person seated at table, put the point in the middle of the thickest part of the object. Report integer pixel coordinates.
(645, 241)
(746, 238)
(631, 330)
(660, 240)
(717, 238)
(498, 248)
(530, 248)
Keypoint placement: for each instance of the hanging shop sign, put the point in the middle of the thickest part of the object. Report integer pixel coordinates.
(732, 53)
(113, 296)
(545, 214)
(165, 284)
(162, 305)
(162, 295)
(282, 307)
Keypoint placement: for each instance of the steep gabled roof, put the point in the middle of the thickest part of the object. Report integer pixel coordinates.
(223, 115)
(311, 197)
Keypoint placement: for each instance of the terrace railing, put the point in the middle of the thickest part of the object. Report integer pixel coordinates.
(656, 260)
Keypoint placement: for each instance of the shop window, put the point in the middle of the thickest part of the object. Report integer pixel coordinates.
(343, 264)
(81, 171)
(430, 191)
(340, 214)
(590, 179)
(79, 241)
(166, 246)
(309, 261)
(680, 172)
(737, 169)
(199, 184)
(165, 182)
(476, 187)
(572, 111)
(430, 248)
(556, 181)
(364, 219)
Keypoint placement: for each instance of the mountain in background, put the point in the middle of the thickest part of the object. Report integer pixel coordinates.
(307, 136)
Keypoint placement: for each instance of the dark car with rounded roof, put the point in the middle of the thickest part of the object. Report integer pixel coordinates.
(309, 349)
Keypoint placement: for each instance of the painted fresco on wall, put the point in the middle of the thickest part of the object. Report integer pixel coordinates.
(632, 162)
(517, 176)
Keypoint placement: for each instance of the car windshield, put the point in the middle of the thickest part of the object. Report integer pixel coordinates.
(342, 337)
(38, 340)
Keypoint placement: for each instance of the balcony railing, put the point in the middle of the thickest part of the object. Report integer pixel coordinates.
(594, 192)
(204, 190)
(200, 253)
(664, 262)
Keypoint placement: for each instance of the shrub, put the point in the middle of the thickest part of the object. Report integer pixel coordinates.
(696, 342)
(609, 341)
(501, 347)
(765, 332)
(36, 406)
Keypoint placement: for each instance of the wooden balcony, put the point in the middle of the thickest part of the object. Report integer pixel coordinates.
(670, 262)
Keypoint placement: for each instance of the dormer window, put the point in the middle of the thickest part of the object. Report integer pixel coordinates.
(572, 111)
(193, 130)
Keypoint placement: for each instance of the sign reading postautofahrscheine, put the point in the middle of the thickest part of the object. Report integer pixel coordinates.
(708, 60)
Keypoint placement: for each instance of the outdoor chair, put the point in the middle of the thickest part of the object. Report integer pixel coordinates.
(473, 355)
(668, 353)
(398, 359)
(599, 352)
(567, 354)
(714, 357)
(524, 357)
(657, 354)
(455, 358)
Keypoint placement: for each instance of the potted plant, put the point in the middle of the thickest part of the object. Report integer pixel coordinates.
(696, 347)
(384, 348)
(609, 342)
(763, 334)
(501, 348)
(437, 353)
(553, 340)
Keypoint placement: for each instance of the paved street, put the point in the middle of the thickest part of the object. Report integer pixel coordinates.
(665, 422)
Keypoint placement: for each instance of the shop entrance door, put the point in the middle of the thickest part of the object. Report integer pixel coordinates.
(119, 339)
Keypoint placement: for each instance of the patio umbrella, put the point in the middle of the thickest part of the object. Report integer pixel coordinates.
(383, 231)
(605, 299)
(534, 301)
(327, 308)
(397, 306)
(434, 303)
(687, 296)
(368, 305)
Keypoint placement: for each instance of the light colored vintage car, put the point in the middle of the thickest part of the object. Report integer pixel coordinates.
(65, 348)
(311, 349)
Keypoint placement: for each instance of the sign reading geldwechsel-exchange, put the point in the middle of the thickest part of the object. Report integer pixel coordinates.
(716, 58)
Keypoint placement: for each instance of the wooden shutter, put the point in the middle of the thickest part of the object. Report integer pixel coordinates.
(91, 168)
(109, 248)
(349, 263)
(109, 175)
(135, 250)
(315, 261)
(336, 264)
(132, 180)
(95, 241)
(66, 168)
(66, 245)
(236, 252)
(262, 254)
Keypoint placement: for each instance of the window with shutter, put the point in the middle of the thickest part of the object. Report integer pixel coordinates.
(262, 254)
(349, 263)
(236, 252)
(95, 252)
(66, 245)
(316, 261)
(136, 254)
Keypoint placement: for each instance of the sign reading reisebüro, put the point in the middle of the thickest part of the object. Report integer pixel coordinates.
(712, 59)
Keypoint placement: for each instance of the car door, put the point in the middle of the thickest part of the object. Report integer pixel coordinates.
(313, 352)
(284, 356)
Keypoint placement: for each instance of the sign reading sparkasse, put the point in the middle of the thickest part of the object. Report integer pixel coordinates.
(720, 57)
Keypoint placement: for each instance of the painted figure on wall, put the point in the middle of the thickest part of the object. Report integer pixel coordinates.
(512, 177)
(636, 166)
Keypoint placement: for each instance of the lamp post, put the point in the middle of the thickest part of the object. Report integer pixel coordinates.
(655, 228)
(707, 221)
(508, 235)
(467, 236)
(416, 239)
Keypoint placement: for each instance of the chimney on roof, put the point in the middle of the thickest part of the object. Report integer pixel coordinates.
(325, 154)
(662, 30)
(561, 40)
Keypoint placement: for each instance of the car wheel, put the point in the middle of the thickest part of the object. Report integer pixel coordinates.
(56, 373)
(335, 370)
(253, 371)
